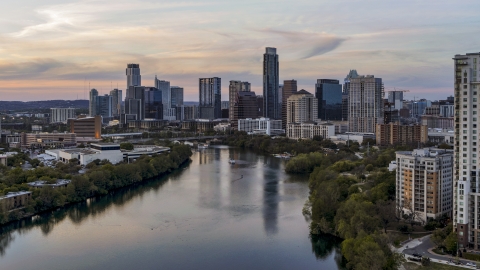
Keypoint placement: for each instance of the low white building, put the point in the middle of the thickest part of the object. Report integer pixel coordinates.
(261, 126)
(352, 136)
(101, 151)
(308, 130)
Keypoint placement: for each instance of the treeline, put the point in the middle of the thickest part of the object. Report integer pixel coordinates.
(353, 199)
(278, 145)
(98, 180)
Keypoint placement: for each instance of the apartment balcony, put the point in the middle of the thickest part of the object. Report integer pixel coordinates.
(461, 63)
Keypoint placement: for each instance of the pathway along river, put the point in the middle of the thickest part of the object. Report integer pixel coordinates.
(207, 215)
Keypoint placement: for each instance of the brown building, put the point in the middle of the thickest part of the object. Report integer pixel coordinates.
(48, 140)
(15, 200)
(289, 88)
(245, 106)
(437, 121)
(394, 133)
(87, 127)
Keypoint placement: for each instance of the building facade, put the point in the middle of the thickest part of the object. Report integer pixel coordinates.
(164, 87)
(289, 88)
(309, 130)
(135, 102)
(92, 106)
(329, 95)
(60, 115)
(90, 127)
(117, 99)
(210, 92)
(133, 75)
(245, 106)
(233, 89)
(398, 134)
(466, 219)
(261, 126)
(365, 104)
(424, 183)
(270, 84)
(153, 103)
(302, 107)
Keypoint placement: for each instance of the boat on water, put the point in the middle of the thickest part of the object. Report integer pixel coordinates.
(231, 161)
(202, 146)
(284, 155)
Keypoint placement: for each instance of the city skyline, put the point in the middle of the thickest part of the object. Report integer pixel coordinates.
(57, 49)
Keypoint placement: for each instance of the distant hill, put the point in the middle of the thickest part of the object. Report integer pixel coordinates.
(41, 105)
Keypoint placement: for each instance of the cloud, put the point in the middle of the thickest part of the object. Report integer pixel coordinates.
(324, 45)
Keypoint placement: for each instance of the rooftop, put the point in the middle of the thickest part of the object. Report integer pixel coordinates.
(13, 194)
(60, 182)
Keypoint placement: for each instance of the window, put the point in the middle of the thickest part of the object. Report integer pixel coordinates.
(464, 112)
(465, 86)
(464, 132)
(474, 112)
(464, 125)
(474, 99)
(465, 93)
(474, 92)
(464, 99)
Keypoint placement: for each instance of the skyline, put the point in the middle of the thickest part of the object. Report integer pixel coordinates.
(57, 48)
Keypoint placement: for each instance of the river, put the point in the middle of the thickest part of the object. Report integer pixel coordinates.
(207, 215)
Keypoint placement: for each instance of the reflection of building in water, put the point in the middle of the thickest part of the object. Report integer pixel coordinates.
(270, 196)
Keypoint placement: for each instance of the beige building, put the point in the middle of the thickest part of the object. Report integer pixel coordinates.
(302, 107)
(365, 104)
(424, 183)
(42, 140)
(394, 134)
(87, 127)
(14, 200)
(310, 129)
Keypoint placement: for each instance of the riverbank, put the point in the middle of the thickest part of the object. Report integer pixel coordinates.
(98, 180)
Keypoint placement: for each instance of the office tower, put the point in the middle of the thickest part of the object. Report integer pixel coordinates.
(116, 101)
(225, 104)
(289, 87)
(466, 221)
(365, 104)
(302, 107)
(244, 106)
(153, 103)
(396, 98)
(210, 90)
(135, 102)
(270, 84)
(260, 105)
(90, 127)
(346, 87)
(104, 106)
(58, 115)
(164, 87)
(92, 110)
(418, 107)
(329, 95)
(424, 181)
(176, 96)
(233, 89)
(133, 75)
(280, 100)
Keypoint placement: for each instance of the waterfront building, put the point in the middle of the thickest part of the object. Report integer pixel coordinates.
(261, 126)
(270, 84)
(133, 75)
(424, 183)
(329, 95)
(210, 90)
(108, 151)
(244, 106)
(365, 103)
(60, 115)
(308, 130)
(302, 107)
(14, 200)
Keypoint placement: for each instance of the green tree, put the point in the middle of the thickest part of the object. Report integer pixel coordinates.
(363, 253)
(126, 146)
(451, 242)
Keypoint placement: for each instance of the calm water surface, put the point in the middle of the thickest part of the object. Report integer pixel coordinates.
(208, 215)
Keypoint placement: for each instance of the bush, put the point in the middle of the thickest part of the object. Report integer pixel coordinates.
(404, 228)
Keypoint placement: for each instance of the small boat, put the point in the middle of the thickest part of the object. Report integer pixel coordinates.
(202, 146)
(231, 161)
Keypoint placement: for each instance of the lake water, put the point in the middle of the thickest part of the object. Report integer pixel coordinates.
(207, 215)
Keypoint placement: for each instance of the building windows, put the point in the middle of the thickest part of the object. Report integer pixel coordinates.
(464, 112)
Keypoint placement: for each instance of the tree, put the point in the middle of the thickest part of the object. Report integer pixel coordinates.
(386, 212)
(451, 242)
(363, 253)
(126, 146)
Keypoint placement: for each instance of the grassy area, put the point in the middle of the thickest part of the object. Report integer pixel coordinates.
(439, 251)
(401, 237)
(432, 266)
(470, 256)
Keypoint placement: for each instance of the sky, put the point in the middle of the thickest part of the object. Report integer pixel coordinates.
(59, 49)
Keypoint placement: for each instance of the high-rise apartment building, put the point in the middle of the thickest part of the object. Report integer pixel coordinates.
(92, 106)
(302, 107)
(133, 75)
(289, 88)
(466, 219)
(176, 96)
(329, 95)
(116, 102)
(424, 183)
(397, 134)
(164, 87)
(365, 104)
(233, 89)
(210, 92)
(346, 87)
(61, 115)
(270, 84)
(135, 102)
(244, 106)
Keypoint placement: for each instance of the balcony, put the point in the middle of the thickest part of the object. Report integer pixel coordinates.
(460, 62)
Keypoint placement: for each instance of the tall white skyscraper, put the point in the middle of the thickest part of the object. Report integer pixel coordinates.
(92, 111)
(365, 104)
(466, 216)
(133, 75)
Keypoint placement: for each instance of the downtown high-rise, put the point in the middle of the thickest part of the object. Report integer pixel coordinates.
(210, 93)
(271, 105)
(133, 75)
(365, 104)
(92, 106)
(466, 216)
(234, 88)
(329, 95)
